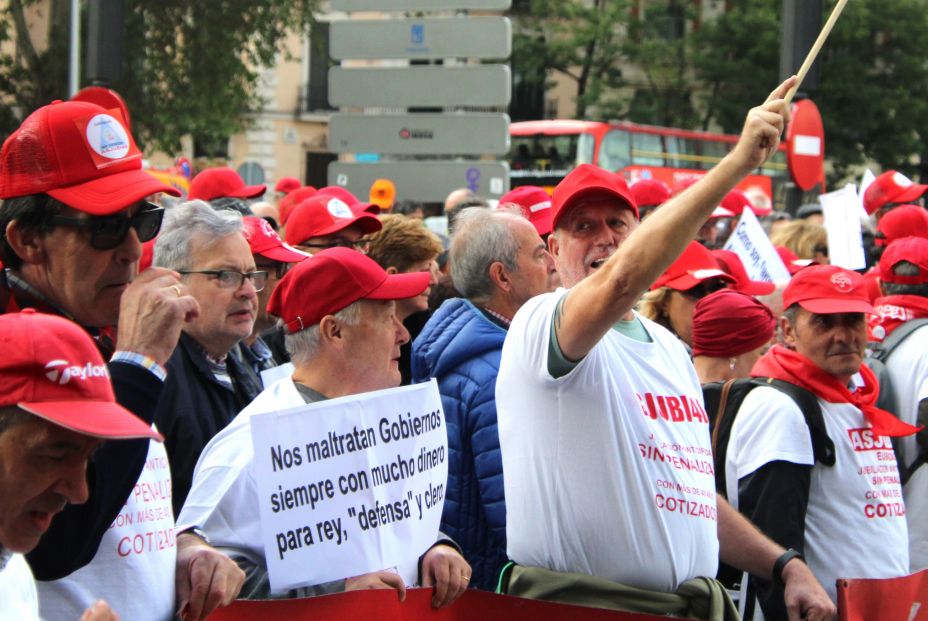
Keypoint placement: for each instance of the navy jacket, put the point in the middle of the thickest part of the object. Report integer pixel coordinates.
(461, 347)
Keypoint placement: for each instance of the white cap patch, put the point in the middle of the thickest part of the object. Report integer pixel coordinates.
(338, 208)
(901, 180)
(107, 137)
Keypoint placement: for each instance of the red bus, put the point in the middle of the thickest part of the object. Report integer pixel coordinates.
(543, 152)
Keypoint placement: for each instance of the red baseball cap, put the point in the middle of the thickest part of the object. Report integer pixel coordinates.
(585, 180)
(827, 289)
(731, 263)
(334, 279)
(222, 182)
(650, 192)
(903, 221)
(265, 241)
(694, 266)
(80, 154)
(324, 215)
(356, 206)
(791, 260)
(51, 368)
(289, 202)
(287, 184)
(911, 249)
(736, 201)
(891, 187)
(535, 204)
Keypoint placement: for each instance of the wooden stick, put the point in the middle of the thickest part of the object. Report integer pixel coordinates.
(816, 47)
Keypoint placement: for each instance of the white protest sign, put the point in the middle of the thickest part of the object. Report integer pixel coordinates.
(865, 181)
(274, 374)
(842, 223)
(350, 485)
(760, 258)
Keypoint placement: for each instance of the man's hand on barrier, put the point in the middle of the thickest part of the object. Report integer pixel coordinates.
(205, 578)
(377, 580)
(444, 568)
(806, 600)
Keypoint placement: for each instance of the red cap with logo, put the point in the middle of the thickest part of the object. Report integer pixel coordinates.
(222, 182)
(824, 289)
(891, 187)
(650, 192)
(903, 221)
(289, 202)
(356, 206)
(79, 154)
(323, 215)
(911, 249)
(286, 184)
(51, 368)
(731, 263)
(334, 279)
(694, 266)
(265, 241)
(587, 180)
(535, 204)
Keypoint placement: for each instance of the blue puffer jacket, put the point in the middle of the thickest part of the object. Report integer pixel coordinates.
(461, 348)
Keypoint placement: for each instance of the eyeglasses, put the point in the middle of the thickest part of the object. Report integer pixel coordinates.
(229, 279)
(361, 245)
(279, 268)
(107, 232)
(703, 289)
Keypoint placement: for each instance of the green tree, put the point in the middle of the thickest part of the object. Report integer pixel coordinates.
(189, 67)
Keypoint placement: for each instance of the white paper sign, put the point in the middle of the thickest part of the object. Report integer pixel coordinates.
(865, 181)
(350, 485)
(842, 222)
(760, 258)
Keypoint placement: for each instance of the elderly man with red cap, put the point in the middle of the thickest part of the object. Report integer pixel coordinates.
(890, 190)
(604, 439)
(824, 506)
(325, 221)
(72, 223)
(338, 308)
(901, 325)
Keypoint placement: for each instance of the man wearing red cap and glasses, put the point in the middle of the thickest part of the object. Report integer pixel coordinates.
(338, 308)
(595, 405)
(57, 407)
(73, 217)
(826, 507)
(904, 281)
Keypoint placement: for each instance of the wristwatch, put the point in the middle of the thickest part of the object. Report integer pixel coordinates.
(781, 562)
(196, 530)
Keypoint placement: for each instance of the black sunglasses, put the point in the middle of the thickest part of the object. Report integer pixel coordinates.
(107, 232)
(704, 288)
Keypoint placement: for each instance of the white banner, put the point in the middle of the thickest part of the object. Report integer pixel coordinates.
(841, 209)
(753, 247)
(351, 485)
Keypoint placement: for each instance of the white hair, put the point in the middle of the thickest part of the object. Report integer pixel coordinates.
(193, 219)
(304, 345)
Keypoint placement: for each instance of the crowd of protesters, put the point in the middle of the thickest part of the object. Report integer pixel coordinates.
(571, 337)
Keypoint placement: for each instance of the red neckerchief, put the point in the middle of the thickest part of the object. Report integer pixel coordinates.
(790, 366)
(893, 311)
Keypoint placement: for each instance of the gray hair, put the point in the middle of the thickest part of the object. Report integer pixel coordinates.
(193, 219)
(304, 345)
(482, 237)
(906, 268)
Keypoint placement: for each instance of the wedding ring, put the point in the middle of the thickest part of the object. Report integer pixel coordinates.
(176, 290)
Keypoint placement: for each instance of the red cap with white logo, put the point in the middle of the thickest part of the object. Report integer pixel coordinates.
(265, 241)
(891, 187)
(534, 203)
(51, 368)
(357, 207)
(825, 289)
(323, 215)
(80, 154)
(694, 266)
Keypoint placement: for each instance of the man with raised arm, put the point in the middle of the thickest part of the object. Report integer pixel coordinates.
(605, 443)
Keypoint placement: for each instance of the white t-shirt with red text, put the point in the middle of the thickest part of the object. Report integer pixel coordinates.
(133, 569)
(855, 523)
(608, 469)
(908, 370)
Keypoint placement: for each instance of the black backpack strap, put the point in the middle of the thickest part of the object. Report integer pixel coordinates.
(822, 447)
(882, 350)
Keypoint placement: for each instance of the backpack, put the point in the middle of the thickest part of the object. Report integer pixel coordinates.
(723, 400)
(877, 355)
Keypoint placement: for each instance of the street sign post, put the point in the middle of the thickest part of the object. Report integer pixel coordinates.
(427, 181)
(420, 134)
(400, 87)
(425, 38)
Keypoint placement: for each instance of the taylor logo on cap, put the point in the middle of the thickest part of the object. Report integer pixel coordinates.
(339, 208)
(62, 371)
(107, 137)
(842, 282)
